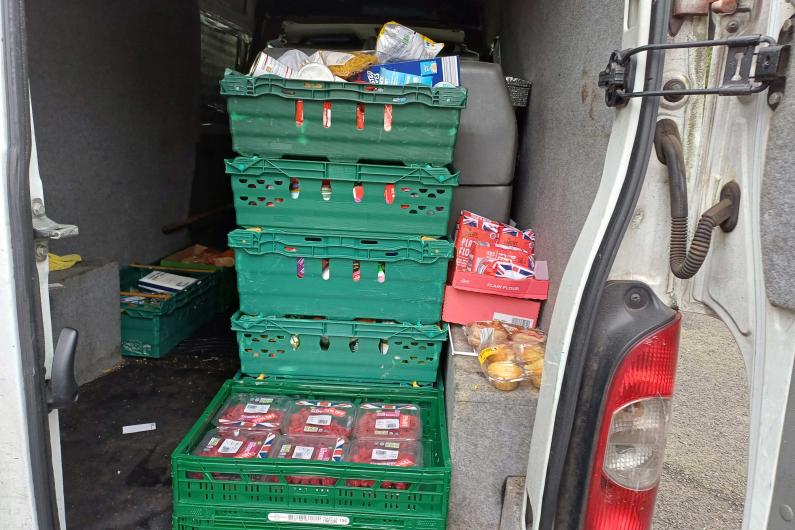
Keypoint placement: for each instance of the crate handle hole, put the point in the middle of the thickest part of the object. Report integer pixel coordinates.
(383, 346)
(299, 112)
(414, 195)
(270, 187)
(325, 270)
(381, 276)
(440, 208)
(299, 267)
(423, 190)
(412, 211)
(353, 344)
(272, 355)
(279, 200)
(252, 186)
(313, 239)
(391, 253)
(369, 242)
(324, 343)
(326, 114)
(325, 189)
(358, 192)
(357, 272)
(295, 342)
(440, 192)
(387, 118)
(295, 188)
(389, 193)
(360, 116)
(421, 207)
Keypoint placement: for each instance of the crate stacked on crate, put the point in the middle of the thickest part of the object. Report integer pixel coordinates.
(342, 193)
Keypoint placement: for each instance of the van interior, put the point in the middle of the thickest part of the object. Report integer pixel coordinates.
(131, 134)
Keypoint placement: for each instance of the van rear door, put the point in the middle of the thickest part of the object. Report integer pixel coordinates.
(599, 434)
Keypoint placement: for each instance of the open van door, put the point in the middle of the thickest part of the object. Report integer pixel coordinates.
(718, 143)
(37, 377)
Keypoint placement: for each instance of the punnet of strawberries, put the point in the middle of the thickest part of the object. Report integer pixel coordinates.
(387, 421)
(321, 418)
(399, 453)
(234, 443)
(252, 411)
(312, 448)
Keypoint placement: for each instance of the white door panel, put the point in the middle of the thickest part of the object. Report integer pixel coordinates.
(637, 15)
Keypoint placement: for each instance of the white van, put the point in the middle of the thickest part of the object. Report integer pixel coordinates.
(616, 166)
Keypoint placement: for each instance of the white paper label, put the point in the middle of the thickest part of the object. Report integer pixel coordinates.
(255, 408)
(385, 424)
(325, 419)
(230, 446)
(511, 319)
(384, 454)
(303, 453)
(336, 520)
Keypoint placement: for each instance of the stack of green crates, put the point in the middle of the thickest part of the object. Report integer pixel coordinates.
(342, 192)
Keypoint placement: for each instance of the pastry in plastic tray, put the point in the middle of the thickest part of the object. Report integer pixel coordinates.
(234, 443)
(382, 420)
(312, 417)
(311, 448)
(399, 453)
(252, 411)
(474, 335)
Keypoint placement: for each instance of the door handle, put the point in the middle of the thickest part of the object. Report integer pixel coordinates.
(62, 389)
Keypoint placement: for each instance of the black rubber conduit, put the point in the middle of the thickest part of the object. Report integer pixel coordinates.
(685, 264)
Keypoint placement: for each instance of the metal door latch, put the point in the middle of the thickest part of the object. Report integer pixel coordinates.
(753, 63)
(45, 227)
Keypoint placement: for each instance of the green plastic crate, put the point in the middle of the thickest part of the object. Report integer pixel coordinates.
(154, 329)
(396, 199)
(272, 117)
(272, 282)
(204, 501)
(339, 350)
(258, 519)
(227, 280)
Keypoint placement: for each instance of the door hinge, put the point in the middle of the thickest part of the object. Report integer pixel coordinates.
(753, 63)
(45, 227)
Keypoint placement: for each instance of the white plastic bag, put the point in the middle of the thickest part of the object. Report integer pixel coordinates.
(398, 43)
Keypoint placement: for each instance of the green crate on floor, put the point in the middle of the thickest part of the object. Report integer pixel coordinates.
(264, 519)
(272, 117)
(339, 350)
(312, 195)
(286, 273)
(153, 328)
(228, 493)
(227, 280)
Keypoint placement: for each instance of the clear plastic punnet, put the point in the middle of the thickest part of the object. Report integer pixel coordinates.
(320, 418)
(388, 421)
(252, 411)
(399, 453)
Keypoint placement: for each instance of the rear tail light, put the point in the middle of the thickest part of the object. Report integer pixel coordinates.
(631, 445)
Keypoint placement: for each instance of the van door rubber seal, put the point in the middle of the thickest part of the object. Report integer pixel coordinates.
(31, 336)
(600, 270)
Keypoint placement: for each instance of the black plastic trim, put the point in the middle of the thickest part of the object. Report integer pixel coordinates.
(600, 270)
(629, 311)
(17, 106)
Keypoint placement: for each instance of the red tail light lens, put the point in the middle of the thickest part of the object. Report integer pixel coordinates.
(629, 454)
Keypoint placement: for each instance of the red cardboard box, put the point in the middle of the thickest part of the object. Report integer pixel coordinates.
(463, 307)
(536, 288)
